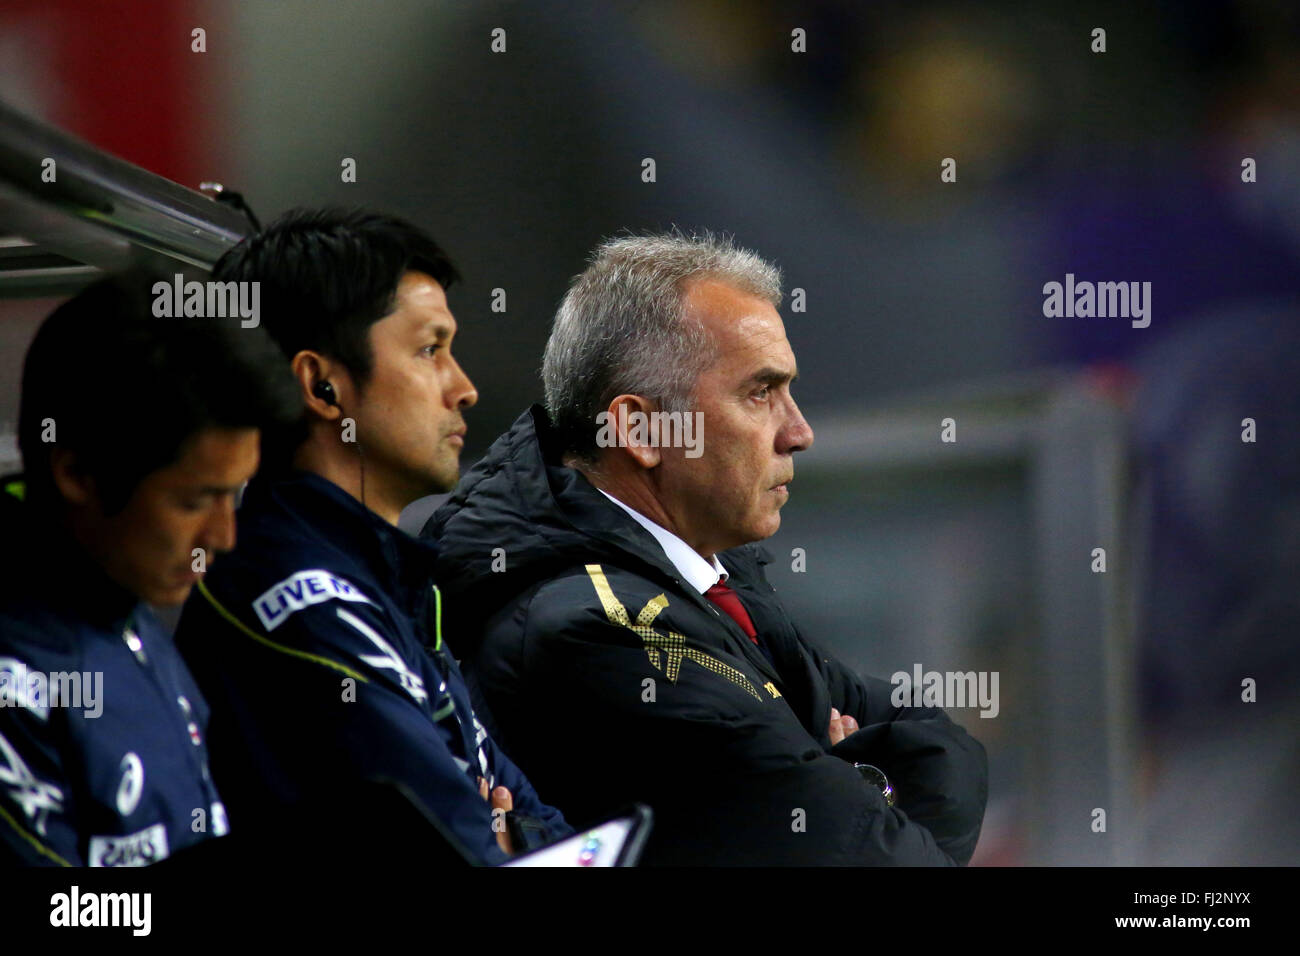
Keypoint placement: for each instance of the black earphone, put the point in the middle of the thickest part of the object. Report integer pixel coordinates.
(325, 392)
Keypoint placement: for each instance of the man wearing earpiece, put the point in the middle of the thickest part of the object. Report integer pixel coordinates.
(318, 641)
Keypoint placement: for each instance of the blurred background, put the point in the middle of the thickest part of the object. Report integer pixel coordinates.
(1119, 690)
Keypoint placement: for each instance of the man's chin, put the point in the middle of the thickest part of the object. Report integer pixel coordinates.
(440, 482)
(774, 521)
(446, 483)
(764, 529)
(168, 596)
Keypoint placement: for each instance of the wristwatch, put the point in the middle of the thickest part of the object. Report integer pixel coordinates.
(876, 777)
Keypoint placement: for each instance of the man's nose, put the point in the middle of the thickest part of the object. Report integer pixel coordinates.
(797, 434)
(219, 531)
(462, 392)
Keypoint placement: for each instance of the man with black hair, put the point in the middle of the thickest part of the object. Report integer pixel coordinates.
(319, 639)
(136, 434)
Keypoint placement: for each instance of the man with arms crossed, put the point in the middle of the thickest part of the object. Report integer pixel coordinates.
(319, 639)
(627, 641)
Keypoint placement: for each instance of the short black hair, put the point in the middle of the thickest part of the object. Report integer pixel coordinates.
(125, 389)
(327, 275)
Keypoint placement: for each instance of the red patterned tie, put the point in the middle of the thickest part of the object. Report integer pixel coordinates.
(729, 601)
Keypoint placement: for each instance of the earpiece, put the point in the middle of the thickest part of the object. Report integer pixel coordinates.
(325, 392)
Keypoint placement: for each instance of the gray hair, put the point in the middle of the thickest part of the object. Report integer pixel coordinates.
(621, 327)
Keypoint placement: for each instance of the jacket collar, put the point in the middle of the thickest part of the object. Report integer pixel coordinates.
(577, 502)
(590, 513)
(548, 517)
(699, 573)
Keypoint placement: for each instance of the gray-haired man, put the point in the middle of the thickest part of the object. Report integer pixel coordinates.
(628, 643)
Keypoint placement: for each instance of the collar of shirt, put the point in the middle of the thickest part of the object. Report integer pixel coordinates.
(697, 572)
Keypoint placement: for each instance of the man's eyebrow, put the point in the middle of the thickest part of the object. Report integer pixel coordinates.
(772, 376)
(443, 327)
(218, 489)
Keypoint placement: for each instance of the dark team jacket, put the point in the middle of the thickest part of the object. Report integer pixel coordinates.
(611, 680)
(103, 758)
(318, 644)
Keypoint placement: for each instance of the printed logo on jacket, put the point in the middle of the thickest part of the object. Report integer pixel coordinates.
(302, 590)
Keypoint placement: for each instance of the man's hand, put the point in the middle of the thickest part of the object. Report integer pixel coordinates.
(500, 799)
(841, 727)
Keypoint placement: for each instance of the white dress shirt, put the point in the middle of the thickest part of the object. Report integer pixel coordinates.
(695, 571)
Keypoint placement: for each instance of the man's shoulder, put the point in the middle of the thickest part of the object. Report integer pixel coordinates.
(36, 630)
(265, 596)
(32, 649)
(37, 609)
(269, 554)
(581, 587)
(586, 585)
(293, 594)
(575, 598)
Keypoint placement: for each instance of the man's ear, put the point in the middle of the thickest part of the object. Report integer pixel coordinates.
(628, 422)
(76, 487)
(311, 368)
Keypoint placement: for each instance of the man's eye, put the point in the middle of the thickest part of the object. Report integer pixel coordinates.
(430, 349)
(763, 392)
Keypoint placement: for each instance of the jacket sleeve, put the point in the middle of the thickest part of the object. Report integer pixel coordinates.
(358, 710)
(939, 772)
(524, 796)
(37, 824)
(732, 775)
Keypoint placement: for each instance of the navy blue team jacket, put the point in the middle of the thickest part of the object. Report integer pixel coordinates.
(317, 642)
(103, 760)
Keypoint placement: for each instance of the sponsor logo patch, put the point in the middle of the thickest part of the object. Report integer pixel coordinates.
(302, 590)
(132, 849)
